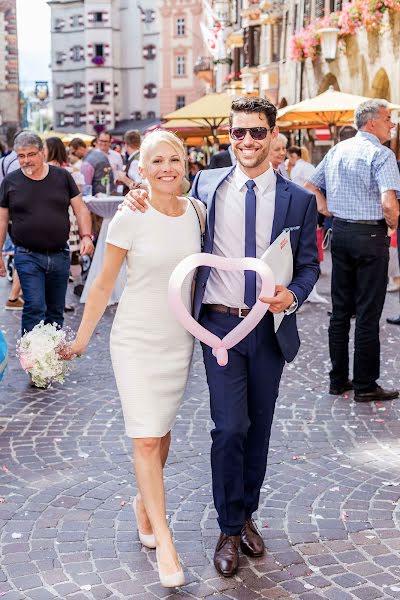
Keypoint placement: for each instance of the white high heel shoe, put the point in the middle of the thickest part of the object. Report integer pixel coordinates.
(170, 581)
(147, 539)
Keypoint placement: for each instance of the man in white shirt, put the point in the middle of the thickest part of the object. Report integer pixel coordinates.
(129, 173)
(301, 170)
(115, 159)
(248, 207)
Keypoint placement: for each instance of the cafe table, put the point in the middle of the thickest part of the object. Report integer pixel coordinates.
(106, 207)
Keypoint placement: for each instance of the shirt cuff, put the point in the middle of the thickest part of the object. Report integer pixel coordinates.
(294, 306)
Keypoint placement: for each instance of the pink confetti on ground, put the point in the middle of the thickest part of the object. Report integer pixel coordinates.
(2, 500)
(344, 516)
(123, 502)
(5, 469)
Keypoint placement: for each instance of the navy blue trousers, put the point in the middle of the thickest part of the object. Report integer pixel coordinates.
(242, 398)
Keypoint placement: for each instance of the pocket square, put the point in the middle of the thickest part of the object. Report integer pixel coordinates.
(294, 228)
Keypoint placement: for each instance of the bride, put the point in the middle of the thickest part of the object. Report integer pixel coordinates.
(150, 351)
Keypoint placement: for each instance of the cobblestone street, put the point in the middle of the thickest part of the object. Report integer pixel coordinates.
(329, 512)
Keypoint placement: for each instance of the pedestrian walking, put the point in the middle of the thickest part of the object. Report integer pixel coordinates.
(95, 167)
(300, 169)
(248, 207)
(147, 344)
(361, 177)
(224, 158)
(277, 154)
(115, 159)
(129, 174)
(37, 197)
(8, 164)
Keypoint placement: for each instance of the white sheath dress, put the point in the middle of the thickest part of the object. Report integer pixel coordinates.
(150, 350)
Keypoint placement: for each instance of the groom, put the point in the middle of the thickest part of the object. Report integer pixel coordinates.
(248, 206)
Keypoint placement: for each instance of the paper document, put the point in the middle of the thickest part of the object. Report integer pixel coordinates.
(279, 258)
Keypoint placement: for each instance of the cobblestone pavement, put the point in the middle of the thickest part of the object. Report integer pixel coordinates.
(329, 509)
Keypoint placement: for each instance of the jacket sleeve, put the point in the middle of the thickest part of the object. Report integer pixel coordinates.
(306, 266)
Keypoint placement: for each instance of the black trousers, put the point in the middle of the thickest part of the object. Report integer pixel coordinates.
(360, 256)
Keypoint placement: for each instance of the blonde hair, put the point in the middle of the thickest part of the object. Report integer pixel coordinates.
(157, 137)
(305, 155)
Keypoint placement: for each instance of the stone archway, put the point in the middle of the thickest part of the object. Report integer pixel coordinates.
(380, 87)
(327, 81)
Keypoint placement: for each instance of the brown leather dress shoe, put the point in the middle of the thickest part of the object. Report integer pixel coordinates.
(251, 542)
(226, 557)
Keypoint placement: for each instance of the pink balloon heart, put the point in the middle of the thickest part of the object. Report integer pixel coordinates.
(187, 265)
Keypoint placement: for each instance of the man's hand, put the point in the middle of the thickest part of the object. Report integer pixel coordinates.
(136, 200)
(281, 301)
(2, 267)
(86, 246)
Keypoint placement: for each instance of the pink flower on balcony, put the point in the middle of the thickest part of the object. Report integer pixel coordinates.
(98, 60)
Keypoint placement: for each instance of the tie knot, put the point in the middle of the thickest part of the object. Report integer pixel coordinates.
(250, 184)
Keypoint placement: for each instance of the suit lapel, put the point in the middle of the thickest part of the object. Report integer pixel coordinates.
(211, 206)
(282, 200)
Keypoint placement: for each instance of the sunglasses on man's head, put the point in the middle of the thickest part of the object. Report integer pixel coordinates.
(257, 133)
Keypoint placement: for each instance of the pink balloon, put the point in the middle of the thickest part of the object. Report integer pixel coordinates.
(219, 347)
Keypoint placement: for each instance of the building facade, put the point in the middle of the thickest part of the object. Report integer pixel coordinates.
(181, 45)
(105, 63)
(367, 59)
(244, 39)
(9, 84)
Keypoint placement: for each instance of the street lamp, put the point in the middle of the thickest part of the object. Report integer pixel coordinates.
(41, 93)
(328, 42)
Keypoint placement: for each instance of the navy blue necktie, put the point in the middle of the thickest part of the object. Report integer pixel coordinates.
(250, 243)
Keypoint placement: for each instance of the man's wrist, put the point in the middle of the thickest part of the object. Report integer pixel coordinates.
(89, 235)
(293, 306)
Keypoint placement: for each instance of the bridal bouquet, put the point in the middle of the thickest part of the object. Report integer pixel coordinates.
(39, 352)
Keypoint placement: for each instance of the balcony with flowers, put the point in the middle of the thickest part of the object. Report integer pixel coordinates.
(99, 61)
(367, 14)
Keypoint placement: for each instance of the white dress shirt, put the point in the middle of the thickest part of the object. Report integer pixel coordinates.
(227, 287)
(301, 172)
(133, 172)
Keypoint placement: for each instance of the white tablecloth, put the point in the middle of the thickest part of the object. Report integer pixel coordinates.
(105, 207)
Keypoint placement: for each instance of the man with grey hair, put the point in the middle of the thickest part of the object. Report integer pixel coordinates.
(361, 178)
(277, 154)
(37, 197)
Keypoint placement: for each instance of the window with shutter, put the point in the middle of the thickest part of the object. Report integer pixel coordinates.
(319, 8)
(276, 34)
(307, 12)
(295, 16)
(285, 34)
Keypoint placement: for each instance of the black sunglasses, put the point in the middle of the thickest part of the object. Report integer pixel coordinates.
(257, 133)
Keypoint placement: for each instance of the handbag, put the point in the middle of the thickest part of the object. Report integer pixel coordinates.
(3, 355)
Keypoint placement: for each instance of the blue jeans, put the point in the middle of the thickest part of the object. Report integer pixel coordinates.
(44, 280)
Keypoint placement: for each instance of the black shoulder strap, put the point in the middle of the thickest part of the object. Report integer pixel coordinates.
(200, 218)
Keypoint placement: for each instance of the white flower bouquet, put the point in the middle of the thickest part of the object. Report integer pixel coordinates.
(39, 352)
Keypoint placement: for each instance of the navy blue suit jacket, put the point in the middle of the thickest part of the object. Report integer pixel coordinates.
(295, 208)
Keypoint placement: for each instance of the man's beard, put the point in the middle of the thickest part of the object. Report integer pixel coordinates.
(27, 170)
(258, 160)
